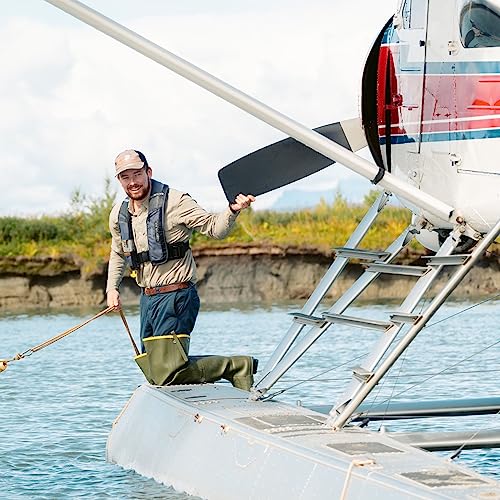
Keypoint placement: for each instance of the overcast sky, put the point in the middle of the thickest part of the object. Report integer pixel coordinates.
(72, 98)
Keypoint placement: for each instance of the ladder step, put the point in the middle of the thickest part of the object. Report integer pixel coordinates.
(357, 322)
(358, 253)
(397, 269)
(447, 260)
(362, 374)
(306, 319)
(404, 318)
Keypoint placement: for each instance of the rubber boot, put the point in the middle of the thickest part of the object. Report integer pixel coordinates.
(164, 356)
(236, 369)
(240, 372)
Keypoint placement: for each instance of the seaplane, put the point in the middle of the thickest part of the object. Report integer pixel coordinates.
(430, 116)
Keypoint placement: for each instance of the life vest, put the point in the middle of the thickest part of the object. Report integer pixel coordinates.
(158, 251)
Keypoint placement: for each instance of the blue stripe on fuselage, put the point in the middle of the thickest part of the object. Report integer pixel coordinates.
(464, 135)
(463, 68)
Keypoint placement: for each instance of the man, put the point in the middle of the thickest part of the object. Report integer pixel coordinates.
(150, 232)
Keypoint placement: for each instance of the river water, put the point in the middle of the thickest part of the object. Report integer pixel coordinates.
(57, 406)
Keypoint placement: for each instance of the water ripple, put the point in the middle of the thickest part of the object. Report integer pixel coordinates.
(58, 406)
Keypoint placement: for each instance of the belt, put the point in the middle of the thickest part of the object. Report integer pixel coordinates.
(165, 288)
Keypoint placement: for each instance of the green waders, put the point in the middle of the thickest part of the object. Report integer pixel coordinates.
(236, 369)
(165, 362)
(164, 355)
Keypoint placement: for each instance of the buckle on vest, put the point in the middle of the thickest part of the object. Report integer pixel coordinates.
(177, 250)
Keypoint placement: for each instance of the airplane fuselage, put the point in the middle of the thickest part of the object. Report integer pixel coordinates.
(438, 105)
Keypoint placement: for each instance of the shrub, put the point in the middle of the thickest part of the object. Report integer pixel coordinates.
(83, 232)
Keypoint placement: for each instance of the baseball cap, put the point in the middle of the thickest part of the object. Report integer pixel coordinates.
(129, 158)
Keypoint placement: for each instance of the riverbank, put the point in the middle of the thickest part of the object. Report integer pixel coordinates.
(226, 274)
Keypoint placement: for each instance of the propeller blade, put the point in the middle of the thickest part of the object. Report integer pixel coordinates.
(286, 161)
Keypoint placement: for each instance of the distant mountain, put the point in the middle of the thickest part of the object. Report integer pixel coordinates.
(354, 190)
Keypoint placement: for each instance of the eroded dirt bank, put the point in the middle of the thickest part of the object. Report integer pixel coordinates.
(225, 275)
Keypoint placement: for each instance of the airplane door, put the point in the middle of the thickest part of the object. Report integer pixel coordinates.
(411, 29)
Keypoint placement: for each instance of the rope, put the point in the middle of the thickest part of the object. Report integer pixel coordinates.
(403, 359)
(442, 371)
(354, 463)
(129, 334)
(281, 391)
(457, 453)
(463, 310)
(460, 361)
(315, 377)
(4, 362)
(407, 375)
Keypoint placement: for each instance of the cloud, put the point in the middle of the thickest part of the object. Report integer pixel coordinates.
(72, 98)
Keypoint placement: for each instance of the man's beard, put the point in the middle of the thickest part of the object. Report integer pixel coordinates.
(138, 195)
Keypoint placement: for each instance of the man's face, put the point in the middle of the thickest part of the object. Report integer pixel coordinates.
(136, 183)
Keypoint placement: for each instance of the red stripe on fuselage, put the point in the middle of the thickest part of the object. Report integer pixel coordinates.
(452, 102)
(467, 102)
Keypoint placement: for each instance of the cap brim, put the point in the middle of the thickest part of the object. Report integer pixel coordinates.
(129, 166)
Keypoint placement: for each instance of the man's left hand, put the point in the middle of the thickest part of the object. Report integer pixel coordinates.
(241, 202)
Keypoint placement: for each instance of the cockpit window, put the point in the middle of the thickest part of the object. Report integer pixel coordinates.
(480, 23)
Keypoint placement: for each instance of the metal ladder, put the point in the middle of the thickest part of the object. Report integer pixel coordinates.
(291, 350)
(376, 365)
(404, 315)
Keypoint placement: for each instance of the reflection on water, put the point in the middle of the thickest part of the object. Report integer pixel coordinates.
(58, 405)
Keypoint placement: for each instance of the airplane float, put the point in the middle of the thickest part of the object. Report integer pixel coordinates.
(430, 115)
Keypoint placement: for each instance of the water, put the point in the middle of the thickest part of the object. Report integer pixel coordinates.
(59, 404)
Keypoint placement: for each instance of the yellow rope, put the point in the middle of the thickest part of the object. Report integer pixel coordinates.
(4, 362)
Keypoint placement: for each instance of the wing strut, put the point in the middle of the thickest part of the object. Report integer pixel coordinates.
(256, 108)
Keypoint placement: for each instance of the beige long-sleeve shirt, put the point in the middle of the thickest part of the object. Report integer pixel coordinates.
(182, 216)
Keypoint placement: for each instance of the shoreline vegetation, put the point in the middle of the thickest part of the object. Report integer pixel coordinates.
(81, 236)
(61, 261)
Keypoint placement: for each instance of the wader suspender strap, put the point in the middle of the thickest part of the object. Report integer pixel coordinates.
(181, 349)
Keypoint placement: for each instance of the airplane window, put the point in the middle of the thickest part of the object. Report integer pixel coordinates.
(413, 14)
(480, 23)
(418, 15)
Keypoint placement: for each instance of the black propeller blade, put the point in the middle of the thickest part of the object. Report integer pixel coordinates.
(285, 161)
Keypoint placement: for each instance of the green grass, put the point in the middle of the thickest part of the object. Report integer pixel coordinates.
(83, 234)
(322, 227)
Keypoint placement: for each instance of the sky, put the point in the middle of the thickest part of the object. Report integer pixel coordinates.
(73, 98)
